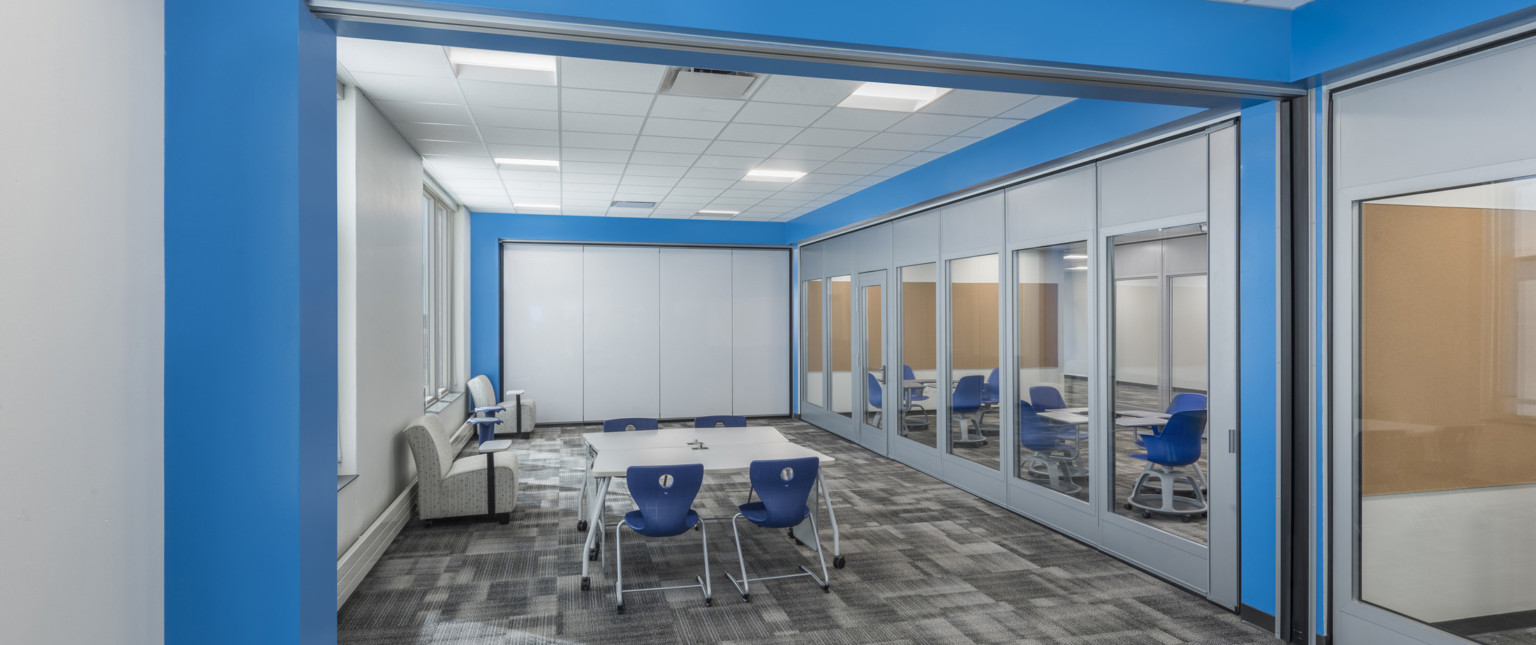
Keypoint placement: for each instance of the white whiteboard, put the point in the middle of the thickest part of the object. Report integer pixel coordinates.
(595, 332)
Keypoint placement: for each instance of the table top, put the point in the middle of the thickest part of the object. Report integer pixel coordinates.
(1068, 415)
(1140, 422)
(716, 459)
(1144, 413)
(680, 438)
(495, 446)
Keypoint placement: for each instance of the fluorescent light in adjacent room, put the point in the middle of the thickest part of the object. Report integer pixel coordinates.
(1077, 268)
(759, 174)
(892, 98)
(715, 212)
(1074, 256)
(502, 67)
(541, 207)
(504, 161)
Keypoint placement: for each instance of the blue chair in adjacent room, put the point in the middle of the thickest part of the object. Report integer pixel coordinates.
(1182, 402)
(782, 485)
(665, 496)
(991, 393)
(1049, 450)
(634, 423)
(1177, 446)
(966, 400)
(909, 399)
(875, 396)
(1045, 398)
(720, 421)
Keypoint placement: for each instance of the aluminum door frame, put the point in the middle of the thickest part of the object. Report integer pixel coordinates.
(875, 439)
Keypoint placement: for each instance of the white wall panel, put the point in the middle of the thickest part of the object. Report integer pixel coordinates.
(696, 328)
(974, 224)
(1058, 205)
(873, 246)
(542, 324)
(810, 261)
(915, 239)
(760, 320)
(839, 255)
(620, 332)
(1166, 181)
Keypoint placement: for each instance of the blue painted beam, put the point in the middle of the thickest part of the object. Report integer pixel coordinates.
(1258, 348)
(1329, 34)
(250, 323)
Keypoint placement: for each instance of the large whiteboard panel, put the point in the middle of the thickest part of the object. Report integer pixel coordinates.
(695, 377)
(542, 321)
(760, 320)
(619, 332)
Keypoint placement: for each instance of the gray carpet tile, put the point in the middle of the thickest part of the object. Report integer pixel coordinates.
(927, 563)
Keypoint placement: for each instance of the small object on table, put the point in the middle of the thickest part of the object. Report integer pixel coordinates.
(489, 449)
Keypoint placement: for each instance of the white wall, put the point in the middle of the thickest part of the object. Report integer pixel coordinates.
(388, 364)
(82, 338)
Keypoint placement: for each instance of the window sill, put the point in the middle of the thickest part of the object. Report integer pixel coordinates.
(343, 480)
(443, 403)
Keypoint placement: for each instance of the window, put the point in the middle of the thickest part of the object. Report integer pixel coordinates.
(436, 312)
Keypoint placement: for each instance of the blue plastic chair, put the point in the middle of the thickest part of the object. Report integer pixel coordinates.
(665, 496)
(1046, 398)
(991, 391)
(1045, 441)
(909, 398)
(720, 421)
(782, 485)
(1182, 402)
(876, 397)
(1178, 445)
(633, 423)
(967, 400)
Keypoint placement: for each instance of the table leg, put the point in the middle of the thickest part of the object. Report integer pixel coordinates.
(594, 527)
(826, 500)
(586, 490)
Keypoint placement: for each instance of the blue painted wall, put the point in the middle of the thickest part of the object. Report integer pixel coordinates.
(250, 324)
(1259, 353)
(486, 230)
(1214, 38)
(1332, 33)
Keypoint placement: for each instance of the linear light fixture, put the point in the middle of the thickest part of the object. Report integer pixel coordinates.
(503, 67)
(715, 212)
(892, 97)
(507, 161)
(542, 207)
(1077, 268)
(761, 174)
(1074, 256)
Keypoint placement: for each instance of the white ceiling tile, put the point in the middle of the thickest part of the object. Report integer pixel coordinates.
(942, 124)
(641, 180)
(646, 170)
(850, 168)
(742, 148)
(951, 144)
(438, 131)
(598, 140)
(461, 148)
(697, 192)
(759, 133)
(890, 171)
(593, 154)
(830, 180)
(779, 114)
(595, 189)
(975, 103)
(459, 163)
(806, 91)
(674, 200)
(533, 186)
(389, 57)
(524, 152)
(856, 119)
(587, 178)
(530, 97)
(990, 127)
(742, 193)
(609, 123)
(592, 167)
(641, 193)
(610, 75)
(416, 112)
(1036, 107)
(827, 137)
(451, 174)
(516, 118)
(695, 182)
(662, 158)
(672, 144)
(682, 128)
(918, 158)
(520, 136)
(898, 141)
(694, 108)
(813, 153)
(862, 155)
(396, 87)
(726, 161)
(605, 102)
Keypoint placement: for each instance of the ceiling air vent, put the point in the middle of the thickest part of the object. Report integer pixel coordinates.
(711, 83)
(633, 205)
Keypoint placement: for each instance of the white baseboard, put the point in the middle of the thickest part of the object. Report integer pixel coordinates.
(353, 565)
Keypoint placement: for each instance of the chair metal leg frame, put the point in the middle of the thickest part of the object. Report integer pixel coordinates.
(1055, 468)
(593, 544)
(743, 586)
(1167, 502)
(618, 566)
(970, 433)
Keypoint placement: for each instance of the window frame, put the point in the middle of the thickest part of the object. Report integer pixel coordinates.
(438, 324)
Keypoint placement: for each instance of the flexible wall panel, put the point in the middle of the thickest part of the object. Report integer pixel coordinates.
(541, 327)
(915, 239)
(760, 332)
(1058, 205)
(696, 329)
(621, 313)
(1165, 181)
(973, 224)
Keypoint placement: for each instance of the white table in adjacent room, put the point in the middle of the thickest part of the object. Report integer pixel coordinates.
(725, 450)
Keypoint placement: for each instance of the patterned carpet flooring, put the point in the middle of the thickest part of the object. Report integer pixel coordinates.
(927, 563)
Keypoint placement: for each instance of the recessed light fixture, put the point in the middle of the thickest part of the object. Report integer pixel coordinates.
(506, 161)
(1074, 256)
(542, 207)
(1077, 268)
(715, 212)
(892, 98)
(760, 174)
(503, 67)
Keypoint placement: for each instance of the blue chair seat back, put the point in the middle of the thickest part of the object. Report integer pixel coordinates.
(916, 393)
(1185, 401)
(1179, 442)
(1036, 432)
(783, 486)
(991, 391)
(634, 423)
(1046, 398)
(967, 397)
(876, 397)
(720, 421)
(665, 496)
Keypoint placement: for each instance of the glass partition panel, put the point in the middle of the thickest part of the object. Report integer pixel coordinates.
(840, 297)
(815, 383)
(1159, 329)
(919, 368)
(973, 360)
(1055, 340)
(874, 358)
(1447, 403)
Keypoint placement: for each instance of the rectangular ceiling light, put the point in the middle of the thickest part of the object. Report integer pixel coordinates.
(506, 161)
(715, 212)
(1074, 256)
(1077, 268)
(502, 67)
(893, 98)
(759, 174)
(541, 207)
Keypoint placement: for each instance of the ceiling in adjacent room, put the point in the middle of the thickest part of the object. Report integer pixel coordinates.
(586, 133)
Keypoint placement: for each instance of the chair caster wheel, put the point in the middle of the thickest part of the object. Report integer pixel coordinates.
(698, 527)
(839, 562)
(1128, 506)
(1204, 515)
(581, 525)
(1146, 515)
(592, 555)
(709, 602)
(826, 588)
(621, 609)
(1184, 519)
(746, 597)
(586, 583)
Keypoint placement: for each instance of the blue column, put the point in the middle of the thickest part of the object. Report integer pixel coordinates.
(250, 347)
(1258, 369)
